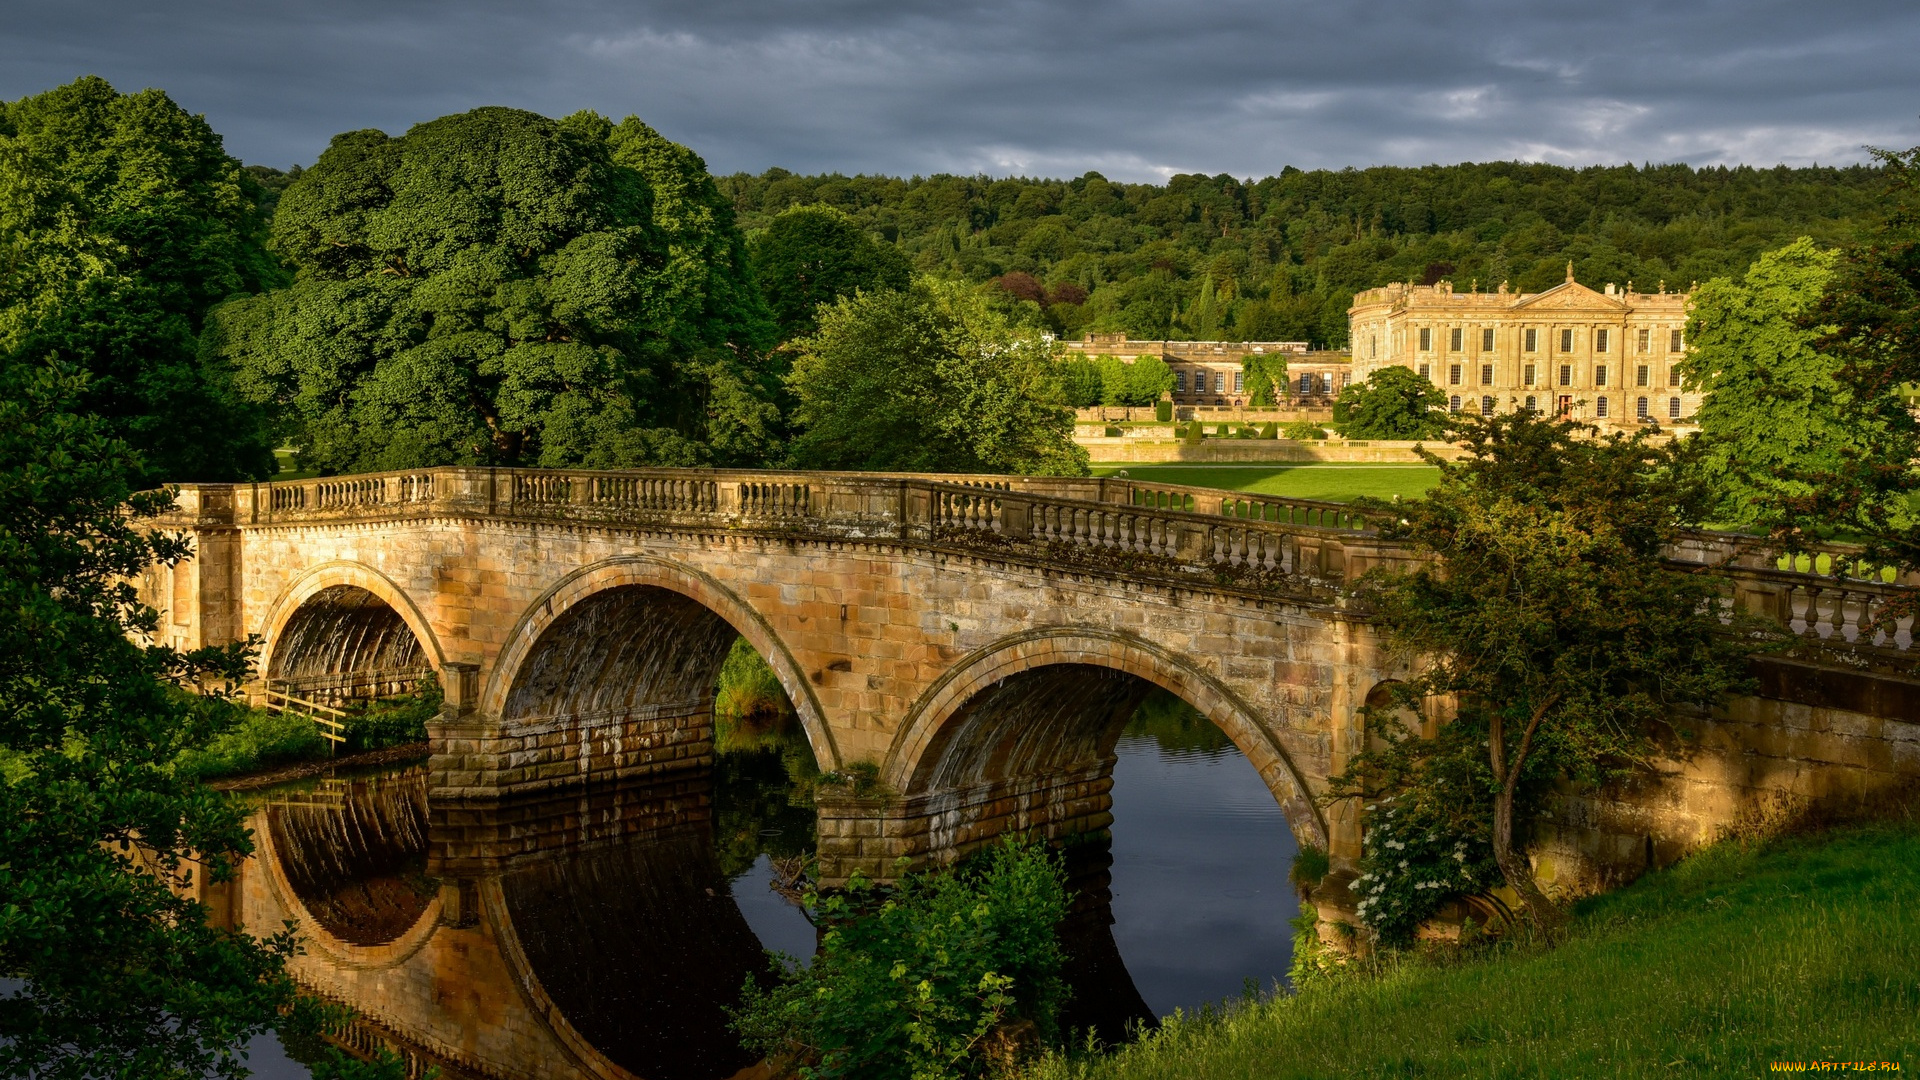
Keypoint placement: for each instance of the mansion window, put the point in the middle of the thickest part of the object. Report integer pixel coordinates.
(1600, 408)
(1179, 382)
(1600, 340)
(1486, 340)
(1646, 340)
(1673, 408)
(1239, 382)
(1532, 339)
(1566, 374)
(1643, 375)
(1219, 382)
(1529, 375)
(1454, 340)
(1373, 346)
(1426, 339)
(1600, 375)
(1426, 371)
(1486, 374)
(1453, 375)
(1533, 404)
(1453, 403)
(1306, 381)
(1640, 408)
(1566, 341)
(1673, 376)
(1486, 406)
(1675, 342)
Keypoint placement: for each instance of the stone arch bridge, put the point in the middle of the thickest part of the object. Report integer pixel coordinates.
(975, 642)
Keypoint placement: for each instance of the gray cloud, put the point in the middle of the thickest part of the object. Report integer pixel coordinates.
(1132, 88)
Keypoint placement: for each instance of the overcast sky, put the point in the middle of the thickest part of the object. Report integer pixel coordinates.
(1133, 89)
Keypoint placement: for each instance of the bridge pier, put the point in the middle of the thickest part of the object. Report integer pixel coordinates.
(870, 835)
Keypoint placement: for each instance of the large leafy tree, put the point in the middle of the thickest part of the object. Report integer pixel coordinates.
(499, 287)
(122, 222)
(929, 380)
(122, 976)
(1775, 417)
(1392, 403)
(1871, 314)
(1546, 611)
(813, 255)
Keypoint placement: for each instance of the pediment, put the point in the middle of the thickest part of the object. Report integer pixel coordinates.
(1571, 295)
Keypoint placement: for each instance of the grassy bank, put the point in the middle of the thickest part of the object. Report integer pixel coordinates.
(1334, 483)
(262, 740)
(1803, 949)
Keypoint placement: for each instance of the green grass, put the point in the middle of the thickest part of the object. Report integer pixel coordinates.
(1802, 949)
(1334, 483)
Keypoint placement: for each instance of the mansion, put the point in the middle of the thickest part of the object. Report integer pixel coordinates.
(1609, 356)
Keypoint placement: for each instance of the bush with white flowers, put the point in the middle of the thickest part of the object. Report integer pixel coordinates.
(1412, 864)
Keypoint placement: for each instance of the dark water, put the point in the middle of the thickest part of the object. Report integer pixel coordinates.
(639, 937)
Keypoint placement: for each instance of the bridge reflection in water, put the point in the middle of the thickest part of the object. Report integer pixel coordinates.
(602, 931)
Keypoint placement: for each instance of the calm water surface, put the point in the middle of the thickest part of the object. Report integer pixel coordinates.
(624, 924)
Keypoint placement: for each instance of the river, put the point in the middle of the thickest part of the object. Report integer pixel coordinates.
(650, 914)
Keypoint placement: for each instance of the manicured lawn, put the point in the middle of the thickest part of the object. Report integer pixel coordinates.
(1801, 950)
(1336, 483)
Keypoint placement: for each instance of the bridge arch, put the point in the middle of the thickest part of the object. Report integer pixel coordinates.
(341, 614)
(952, 734)
(591, 621)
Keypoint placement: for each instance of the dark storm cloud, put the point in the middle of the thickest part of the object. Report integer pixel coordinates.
(1136, 90)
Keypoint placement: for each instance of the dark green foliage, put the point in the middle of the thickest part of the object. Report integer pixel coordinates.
(394, 721)
(1175, 726)
(1549, 614)
(909, 983)
(498, 287)
(258, 740)
(813, 255)
(1271, 430)
(122, 975)
(1163, 411)
(1872, 314)
(122, 222)
(1266, 378)
(931, 380)
(1392, 403)
(1305, 429)
(1194, 432)
(1279, 259)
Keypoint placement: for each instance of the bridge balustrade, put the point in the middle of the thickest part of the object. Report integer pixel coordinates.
(1823, 595)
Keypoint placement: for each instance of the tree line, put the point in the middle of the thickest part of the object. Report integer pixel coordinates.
(1279, 259)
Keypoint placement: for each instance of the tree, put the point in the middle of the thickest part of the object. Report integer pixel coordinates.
(1775, 416)
(1871, 312)
(121, 975)
(929, 380)
(1266, 378)
(122, 222)
(1081, 380)
(813, 255)
(1546, 612)
(912, 984)
(500, 288)
(1392, 403)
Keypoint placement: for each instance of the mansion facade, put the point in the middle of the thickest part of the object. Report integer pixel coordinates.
(1607, 356)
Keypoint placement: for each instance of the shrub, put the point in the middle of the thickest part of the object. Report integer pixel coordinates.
(1415, 862)
(1269, 430)
(1193, 432)
(749, 693)
(394, 721)
(260, 740)
(1163, 411)
(915, 981)
(1305, 429)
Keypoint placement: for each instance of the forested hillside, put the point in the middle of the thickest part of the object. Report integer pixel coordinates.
(1279, 259)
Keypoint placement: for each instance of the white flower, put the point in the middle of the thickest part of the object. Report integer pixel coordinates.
(1460, 856)
(1403, 864)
